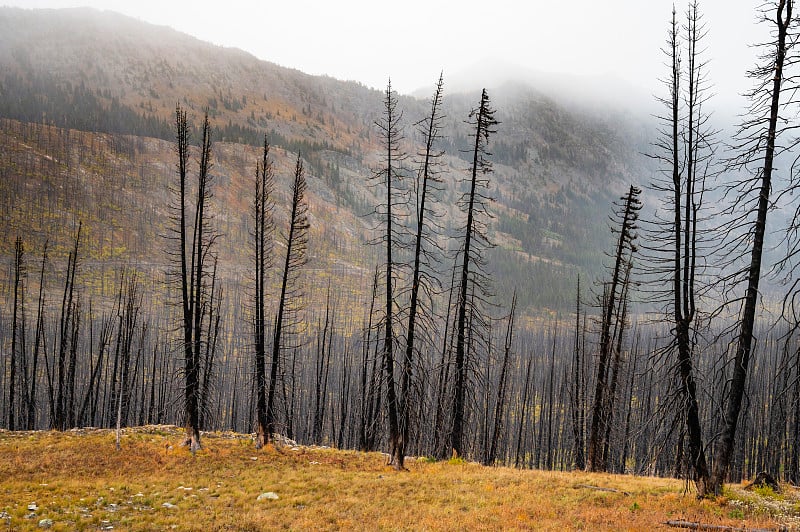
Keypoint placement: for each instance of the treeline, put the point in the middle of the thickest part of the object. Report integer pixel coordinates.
(126, 364)
(40, 98)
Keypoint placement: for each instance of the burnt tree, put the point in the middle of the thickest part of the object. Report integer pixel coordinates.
(263, 227)
(473, 288)
(757, 148)
(288, 319)
(194, 239)
(423, 276)
(613, 292)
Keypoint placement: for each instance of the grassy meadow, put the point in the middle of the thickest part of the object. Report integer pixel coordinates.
(77, 480)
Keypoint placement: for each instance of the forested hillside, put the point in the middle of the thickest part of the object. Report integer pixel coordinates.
(556, 171)
(193, 236)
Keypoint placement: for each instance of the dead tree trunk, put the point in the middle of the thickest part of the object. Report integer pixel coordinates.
(627, 234)
(474, 205)
(288, 303)
(263, 227)
(762, 145)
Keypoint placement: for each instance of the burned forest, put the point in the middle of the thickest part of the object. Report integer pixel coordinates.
(477, 275)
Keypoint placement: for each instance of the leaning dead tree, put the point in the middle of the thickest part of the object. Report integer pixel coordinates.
(613, 302)
(760, 140)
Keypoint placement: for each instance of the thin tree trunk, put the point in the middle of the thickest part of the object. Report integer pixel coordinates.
(37, 342)
(18, 268)
(295, 258)
(501, 386)
(599, 413)
(365, 400)
(484, 123)
(577, 386)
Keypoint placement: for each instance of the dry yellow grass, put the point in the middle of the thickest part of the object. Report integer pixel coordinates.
(80, 482)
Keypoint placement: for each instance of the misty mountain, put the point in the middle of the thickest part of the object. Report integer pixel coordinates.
(558, 167)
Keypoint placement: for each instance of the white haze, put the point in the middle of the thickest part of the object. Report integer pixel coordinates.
(598, 44)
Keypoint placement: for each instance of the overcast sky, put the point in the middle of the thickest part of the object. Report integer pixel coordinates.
(413, 40)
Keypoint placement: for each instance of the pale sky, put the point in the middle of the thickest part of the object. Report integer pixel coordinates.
(413, 40)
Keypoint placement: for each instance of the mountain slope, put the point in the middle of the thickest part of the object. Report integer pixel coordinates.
(556, 170)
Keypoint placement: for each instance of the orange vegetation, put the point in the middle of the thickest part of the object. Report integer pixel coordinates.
(79, 481)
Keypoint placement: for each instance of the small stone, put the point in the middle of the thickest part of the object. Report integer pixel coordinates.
(45, 523)
(254, 458)
(32, 507)
(268, 496)
(169, 505)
